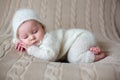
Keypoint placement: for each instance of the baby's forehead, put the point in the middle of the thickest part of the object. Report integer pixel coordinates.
(27, 27)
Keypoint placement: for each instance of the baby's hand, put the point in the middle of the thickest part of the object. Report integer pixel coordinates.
(95, 50)
(19, 46)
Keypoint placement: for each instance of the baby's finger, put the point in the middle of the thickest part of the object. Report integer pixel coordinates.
(16, 46)
(21, 49)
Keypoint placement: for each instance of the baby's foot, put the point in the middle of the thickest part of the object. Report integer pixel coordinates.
(95, 50)
(99, 56)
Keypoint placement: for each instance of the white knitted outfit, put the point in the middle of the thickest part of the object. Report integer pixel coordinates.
(56, 44)
(79, 51)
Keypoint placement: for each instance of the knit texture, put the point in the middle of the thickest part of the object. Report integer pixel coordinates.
(102, 17)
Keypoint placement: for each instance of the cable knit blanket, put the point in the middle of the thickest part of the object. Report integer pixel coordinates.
(102, 17)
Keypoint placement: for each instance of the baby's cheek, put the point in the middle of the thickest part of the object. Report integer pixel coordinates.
(41, 36)
(29, 43)
(26, 42)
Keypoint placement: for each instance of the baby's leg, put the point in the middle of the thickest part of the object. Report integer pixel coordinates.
(79, 51)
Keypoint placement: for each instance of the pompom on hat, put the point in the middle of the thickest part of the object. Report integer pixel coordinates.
(21, 16)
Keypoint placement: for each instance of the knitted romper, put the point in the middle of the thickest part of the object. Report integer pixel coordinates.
(73, 42)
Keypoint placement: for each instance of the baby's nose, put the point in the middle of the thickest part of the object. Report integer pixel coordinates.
(32, 37)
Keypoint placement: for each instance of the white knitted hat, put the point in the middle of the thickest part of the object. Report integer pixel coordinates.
(21, 16)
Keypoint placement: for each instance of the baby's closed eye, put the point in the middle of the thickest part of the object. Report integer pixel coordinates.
(34, 31)
(24, 37)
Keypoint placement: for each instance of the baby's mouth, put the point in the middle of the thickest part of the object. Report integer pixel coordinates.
(35, 42)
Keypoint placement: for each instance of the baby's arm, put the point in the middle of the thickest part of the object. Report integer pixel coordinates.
(48, 50)
(42, 53)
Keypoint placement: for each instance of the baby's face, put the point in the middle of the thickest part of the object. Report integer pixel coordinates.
(31, 32)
